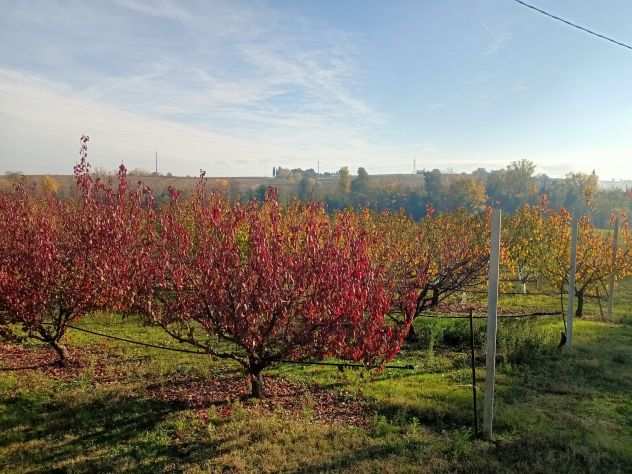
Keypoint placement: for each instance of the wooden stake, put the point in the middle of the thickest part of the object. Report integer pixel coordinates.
(615, 245)
(492, 320)
(570, 310)
(473, 362)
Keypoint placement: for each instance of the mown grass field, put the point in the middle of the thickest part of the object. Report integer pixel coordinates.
(136, 409)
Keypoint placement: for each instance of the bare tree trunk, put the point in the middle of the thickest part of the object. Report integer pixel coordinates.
(580, 303)
(256, 385)
(600, 306)
(523, 282)
(435, 298)
(62, 353)
(412, 337)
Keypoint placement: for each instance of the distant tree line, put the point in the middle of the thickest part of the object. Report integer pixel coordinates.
(508, 188)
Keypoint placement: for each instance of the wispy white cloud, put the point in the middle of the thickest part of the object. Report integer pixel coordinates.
(40, 122)
(496, 39)
(158, 8)
(244, 81)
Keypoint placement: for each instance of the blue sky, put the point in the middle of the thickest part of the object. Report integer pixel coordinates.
(238, 87)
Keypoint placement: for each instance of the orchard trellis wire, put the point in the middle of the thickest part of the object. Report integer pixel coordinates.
(493, 316)
(190, 351)
(470, 316)
(492, 309)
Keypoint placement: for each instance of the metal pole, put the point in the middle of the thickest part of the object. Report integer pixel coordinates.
(570, 310)
(492, 320)
(615, 244)
(473, 374)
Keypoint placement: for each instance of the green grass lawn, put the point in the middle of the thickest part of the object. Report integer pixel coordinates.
(556, 412)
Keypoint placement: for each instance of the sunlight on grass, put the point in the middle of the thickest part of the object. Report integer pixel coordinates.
(569, 409)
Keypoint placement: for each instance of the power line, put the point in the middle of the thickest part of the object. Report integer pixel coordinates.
(574, 25)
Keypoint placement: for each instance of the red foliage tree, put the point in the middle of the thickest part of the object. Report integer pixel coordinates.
(60, 260)
(259, 284)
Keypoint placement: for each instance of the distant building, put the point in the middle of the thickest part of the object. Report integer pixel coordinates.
(616, 184)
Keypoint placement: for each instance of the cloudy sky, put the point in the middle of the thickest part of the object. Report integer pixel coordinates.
(238, 87)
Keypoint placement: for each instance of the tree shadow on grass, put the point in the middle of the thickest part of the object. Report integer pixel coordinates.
(393, 451)
(100, 435)
(552, 452)
(43, 365)
(524, 454)
(433, 419)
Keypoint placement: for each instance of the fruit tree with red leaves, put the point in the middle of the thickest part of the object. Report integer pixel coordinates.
(60, 260)
(259, 284)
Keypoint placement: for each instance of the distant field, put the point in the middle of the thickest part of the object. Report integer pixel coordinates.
(160, 184)
(136, 409)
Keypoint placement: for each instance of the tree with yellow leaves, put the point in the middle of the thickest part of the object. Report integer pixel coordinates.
(525, 240)
(49, 185)
(595, 259)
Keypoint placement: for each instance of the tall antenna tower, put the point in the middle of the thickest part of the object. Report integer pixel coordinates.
(156, 163)
(415, 166)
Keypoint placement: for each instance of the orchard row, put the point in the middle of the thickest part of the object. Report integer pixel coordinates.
(259, 283)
